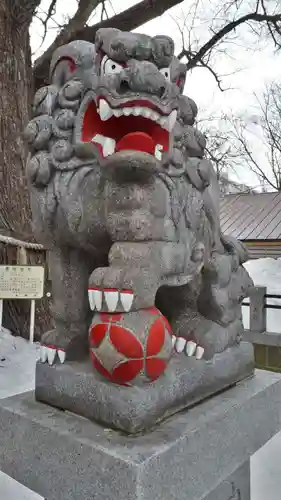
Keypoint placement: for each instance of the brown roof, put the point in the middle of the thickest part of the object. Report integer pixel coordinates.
(251, 216)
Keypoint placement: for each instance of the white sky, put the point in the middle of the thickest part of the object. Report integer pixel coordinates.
(250, 65)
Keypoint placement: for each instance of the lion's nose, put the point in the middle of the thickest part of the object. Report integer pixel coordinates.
(143, 78)
(124, 87)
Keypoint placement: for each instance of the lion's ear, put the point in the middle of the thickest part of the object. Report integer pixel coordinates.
(69, 58)
(181, 77)
(63, 71)
(178, 73)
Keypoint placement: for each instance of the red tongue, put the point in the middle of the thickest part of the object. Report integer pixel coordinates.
(136, 141)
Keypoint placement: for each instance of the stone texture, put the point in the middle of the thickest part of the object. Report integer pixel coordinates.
(263, 338)
(235, 487)
(119, 210)
(62, 456)
(75, 387)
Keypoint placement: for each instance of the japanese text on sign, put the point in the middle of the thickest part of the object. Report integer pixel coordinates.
(21, 282)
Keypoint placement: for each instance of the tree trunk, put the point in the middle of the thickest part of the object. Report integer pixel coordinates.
(15, 98)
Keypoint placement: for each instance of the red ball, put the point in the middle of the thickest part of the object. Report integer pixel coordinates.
(130, 348)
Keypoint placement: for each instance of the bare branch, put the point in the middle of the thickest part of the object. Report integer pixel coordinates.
(127, 20)
(104, 11)
(268, 165)
(76, 23)
(253, 164)
(50, 13)
(274, 20)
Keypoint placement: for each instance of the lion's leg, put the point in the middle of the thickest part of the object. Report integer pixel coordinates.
(69, 273)
(207, 329)
(136, 271)
(140, 224)
(179, 305)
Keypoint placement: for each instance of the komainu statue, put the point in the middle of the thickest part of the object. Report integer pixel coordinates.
(146, 290)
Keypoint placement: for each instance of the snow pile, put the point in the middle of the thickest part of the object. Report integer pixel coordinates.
(17, 364)
(266, 272)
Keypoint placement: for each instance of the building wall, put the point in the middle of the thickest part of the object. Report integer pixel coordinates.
(262, 249)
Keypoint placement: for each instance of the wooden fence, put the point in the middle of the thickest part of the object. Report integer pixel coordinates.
(267, 344)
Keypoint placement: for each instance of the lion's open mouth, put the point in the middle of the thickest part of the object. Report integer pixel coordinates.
(137, 126)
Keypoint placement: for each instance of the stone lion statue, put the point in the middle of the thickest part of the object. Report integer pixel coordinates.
(125, 202)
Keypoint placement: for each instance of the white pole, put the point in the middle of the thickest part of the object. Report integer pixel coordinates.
(1, 313)
(32, 321)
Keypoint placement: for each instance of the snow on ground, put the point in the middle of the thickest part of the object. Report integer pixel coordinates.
(17, 364)
(266, 272)
(17, 374)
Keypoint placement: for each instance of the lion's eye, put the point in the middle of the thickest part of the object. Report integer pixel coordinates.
(110, 67)
(166, 73)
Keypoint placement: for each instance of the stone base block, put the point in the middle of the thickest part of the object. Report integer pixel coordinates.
(236, 486)
(199, 454)
(75, 387)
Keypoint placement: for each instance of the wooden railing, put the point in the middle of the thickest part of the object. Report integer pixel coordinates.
(258, 305)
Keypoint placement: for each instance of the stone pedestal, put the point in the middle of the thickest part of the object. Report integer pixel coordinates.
(77, 388)
(199, 454)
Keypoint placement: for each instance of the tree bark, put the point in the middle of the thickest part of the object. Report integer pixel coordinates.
(15, 98)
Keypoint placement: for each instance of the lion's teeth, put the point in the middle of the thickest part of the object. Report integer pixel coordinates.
(108, 144)
(168, 123)
(99, 139)
(104, 110)
(158, 152)
(108, 147)
(137, 111)
(117, 112)
(154, 116)
(147, 113)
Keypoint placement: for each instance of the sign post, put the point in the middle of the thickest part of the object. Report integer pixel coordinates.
(1, 313)
(22, 282)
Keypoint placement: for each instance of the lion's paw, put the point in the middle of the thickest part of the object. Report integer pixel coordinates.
(57, 347)
(114, 289)
(188, 347)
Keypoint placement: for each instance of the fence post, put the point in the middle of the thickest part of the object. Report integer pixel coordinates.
(257, 309)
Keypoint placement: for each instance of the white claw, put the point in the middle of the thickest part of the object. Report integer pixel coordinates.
(43, 353)
(174, 338)
(199, 352)
(91, 300)
(111, 299)
(180, 344)
(98, 299)
(190, 348)
(61, 355)
(51, 354)
(127, 300)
